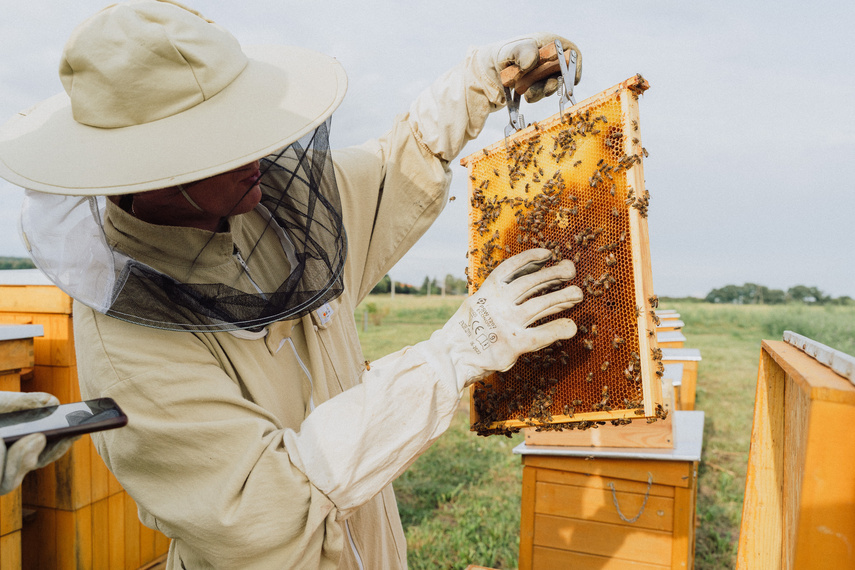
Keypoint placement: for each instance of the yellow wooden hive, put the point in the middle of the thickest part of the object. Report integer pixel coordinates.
(573, 184)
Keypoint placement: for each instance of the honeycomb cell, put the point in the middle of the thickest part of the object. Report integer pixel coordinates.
(572, 184)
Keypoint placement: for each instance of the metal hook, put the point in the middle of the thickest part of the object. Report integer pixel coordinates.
(517, 120)
(565, 87)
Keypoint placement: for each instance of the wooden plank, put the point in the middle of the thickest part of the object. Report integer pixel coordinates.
(671, 344)
(34, 299)
(39, 549)
(659, 434)
(603, 539)
(74, 538)
(682, 549)
(10, 512)
(529, 483)
(101, 535)
(39, 487)
(826, 527)
(598, 505)
(797, 409)
(761, 530)
(10, 551)
(596, 482)
(16, 354)
(61, 381)
(116, 508)
(688, 387)
(674, 473)
(554, 559)
(132, 535)
(821, 382)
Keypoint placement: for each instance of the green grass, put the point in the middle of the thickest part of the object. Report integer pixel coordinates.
(460, 501)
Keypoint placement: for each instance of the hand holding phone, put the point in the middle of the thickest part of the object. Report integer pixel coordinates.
(61, 421)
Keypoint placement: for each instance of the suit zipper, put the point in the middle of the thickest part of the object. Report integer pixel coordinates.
(353, 546)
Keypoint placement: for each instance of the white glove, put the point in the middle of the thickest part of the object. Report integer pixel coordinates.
(490, 330)
(453, 110)
(524, 53)
(30, 452)
(356, 443)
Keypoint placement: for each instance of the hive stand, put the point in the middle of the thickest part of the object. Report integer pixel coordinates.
(799, 509)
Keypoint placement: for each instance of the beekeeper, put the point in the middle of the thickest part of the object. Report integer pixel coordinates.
(182, 190)
(31, 451)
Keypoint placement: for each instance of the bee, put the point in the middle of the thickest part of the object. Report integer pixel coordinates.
(452, 198)
(634, 125)
(654, 301)
(605, 366)
(644, 151)
(588, 344)
(593, 330)
(496, 172)
(615, 212)
(590, 377)
(617, 341)
(635, 140)
(472, 177)
(367, 365)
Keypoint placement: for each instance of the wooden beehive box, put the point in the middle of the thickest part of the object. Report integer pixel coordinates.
(585, 508)
(573, 184)
(16, 356)
(82, 517)
(799, 509)
(690, 358)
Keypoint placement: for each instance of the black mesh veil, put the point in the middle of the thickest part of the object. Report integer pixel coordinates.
(280, 261)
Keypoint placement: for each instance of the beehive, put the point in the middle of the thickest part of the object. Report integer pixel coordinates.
(573, 184)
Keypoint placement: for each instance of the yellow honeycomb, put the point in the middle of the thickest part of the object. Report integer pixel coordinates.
(572, 184)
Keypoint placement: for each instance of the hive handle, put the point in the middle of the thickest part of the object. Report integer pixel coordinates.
(643, 504)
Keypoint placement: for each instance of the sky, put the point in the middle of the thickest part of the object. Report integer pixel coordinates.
(749, 119)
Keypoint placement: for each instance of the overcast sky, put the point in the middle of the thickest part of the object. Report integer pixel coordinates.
(749, 120)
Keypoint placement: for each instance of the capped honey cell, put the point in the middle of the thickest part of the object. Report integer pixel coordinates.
(573, 185)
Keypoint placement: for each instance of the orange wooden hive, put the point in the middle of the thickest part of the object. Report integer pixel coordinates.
(799, 508)
(79, 514)
(573, 184)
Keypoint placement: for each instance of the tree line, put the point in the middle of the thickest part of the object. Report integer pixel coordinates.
(754, 294)
(453, 286)
(16, 263)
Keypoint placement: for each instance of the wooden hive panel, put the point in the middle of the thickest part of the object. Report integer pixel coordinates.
(799, 508)
(572, 184)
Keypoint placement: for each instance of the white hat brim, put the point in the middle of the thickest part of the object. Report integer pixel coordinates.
(283, 93)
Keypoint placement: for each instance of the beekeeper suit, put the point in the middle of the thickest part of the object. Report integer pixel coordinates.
(257, 438)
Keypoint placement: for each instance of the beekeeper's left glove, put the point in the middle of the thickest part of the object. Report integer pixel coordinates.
(30, 452)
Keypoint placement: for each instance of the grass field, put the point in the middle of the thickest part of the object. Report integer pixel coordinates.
(460, 501)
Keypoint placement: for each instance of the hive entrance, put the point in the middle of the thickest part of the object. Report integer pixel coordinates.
(572, 184)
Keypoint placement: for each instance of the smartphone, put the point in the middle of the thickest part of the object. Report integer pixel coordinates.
(63, 420)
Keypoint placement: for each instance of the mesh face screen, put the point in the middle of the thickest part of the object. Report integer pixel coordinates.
(572, 184)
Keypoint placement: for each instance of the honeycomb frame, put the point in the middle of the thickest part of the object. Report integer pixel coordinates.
(573, 183)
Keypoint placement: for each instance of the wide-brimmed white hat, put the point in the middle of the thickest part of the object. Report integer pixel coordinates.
(155, 96)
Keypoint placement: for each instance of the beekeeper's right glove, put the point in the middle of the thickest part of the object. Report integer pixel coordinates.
(356, 443)
(30, 452)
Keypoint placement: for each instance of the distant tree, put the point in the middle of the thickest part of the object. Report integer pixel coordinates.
(455, 286)
(405, 288)
(384, 286)
(806, 294)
